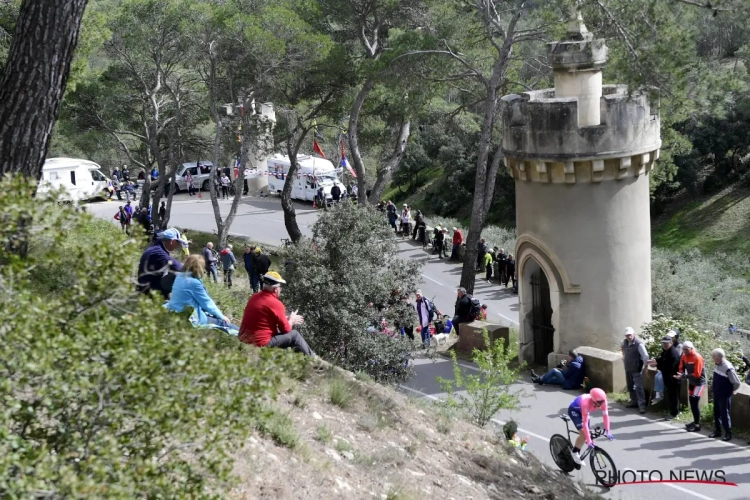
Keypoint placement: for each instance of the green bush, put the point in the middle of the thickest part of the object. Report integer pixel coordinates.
(340, 280)
(488, 391)
(704, 341)
(103, 392)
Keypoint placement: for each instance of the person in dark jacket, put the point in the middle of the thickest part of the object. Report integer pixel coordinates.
(510, 271)
(262, 264)
(481, 251)
(462, 313)
(725, 384)
(156, 262)
(336, 193)
(249, 259)
(439, 243)
(667, 363)
(227, 264)
(571, 377)
(635, 358)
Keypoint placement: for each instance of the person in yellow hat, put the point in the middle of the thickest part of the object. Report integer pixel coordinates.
(264, 322)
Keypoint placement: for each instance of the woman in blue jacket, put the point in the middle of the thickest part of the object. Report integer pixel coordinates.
(188, 291)
(569, 378)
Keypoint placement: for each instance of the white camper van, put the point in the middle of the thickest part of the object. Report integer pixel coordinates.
(312, 174)
(82, 179)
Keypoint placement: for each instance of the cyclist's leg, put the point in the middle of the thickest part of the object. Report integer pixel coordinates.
(574, 412)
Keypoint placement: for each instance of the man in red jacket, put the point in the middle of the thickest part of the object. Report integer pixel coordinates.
(458, 239)
(264, 322)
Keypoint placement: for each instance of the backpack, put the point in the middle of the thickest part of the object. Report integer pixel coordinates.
(475, 308)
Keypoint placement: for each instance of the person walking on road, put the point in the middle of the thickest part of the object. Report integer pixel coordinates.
(227, 264)
(725, 384)
(210, 258)
(691, 367)
(667, 363)
(635, 358)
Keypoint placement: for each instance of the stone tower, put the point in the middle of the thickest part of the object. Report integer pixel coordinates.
(580, 155)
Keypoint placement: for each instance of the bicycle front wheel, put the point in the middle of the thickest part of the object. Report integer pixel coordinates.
(559, 447)
(603, 467)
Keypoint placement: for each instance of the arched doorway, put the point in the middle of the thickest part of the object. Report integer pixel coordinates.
(539, 301)
(543, 331)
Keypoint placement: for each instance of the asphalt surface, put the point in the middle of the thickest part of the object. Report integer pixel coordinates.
(642, 443)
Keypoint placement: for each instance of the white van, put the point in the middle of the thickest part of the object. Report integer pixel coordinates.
(82, 179)
(312, 174)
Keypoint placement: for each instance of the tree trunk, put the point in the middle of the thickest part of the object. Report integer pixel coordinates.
(33, 82)
(393, 163)
(293, 144)
(359, 166)
(485, 180)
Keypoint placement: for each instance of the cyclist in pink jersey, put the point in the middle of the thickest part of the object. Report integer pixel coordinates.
(579, 410)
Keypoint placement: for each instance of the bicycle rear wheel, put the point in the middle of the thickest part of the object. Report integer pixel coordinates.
(603, 467)
(559, 447)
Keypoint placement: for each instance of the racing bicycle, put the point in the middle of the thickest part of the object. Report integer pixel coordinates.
(561, 447)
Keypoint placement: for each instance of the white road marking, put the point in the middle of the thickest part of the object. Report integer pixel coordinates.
(434, 281)
(507, 318)
(678, 488)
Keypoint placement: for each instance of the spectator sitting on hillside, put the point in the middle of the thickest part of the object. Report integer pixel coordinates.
(264, 322)
(188, 291)
(569, 377)
(156, 262)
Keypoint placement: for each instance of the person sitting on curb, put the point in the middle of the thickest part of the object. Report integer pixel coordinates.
(569, 377)
(264, 323)
(188, 291)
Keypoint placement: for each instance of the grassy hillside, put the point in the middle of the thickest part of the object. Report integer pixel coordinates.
(719, 222)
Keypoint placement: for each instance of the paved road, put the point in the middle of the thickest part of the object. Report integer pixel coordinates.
(642, 443)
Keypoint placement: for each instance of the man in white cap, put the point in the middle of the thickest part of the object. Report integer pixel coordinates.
(425, 314)
(635, 358)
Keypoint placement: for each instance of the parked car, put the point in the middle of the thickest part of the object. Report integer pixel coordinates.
(201, 172)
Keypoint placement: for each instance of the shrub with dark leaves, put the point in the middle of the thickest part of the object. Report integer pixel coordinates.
(349, 279)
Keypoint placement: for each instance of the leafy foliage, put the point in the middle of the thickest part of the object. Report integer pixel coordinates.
(345, 279)
(488, 391)
(105, 393)
(704, 341)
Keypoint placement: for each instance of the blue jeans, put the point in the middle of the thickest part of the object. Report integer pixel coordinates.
(659, 383)
(221, 323)
(211, 270)
(426, 336)
(553, 377)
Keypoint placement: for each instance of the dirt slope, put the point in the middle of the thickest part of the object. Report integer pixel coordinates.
(377, 443)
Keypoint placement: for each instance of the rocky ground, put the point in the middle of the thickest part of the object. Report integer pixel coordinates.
(337, 435)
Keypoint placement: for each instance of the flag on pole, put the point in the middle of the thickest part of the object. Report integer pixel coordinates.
(344, 164)
(316, 148)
